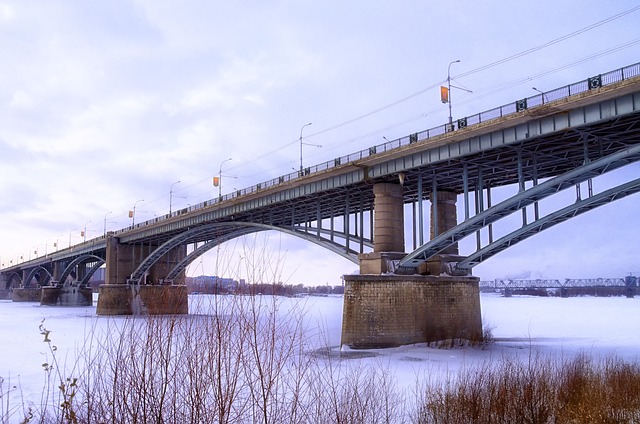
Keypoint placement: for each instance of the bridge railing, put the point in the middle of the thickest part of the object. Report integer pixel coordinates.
(498, 112)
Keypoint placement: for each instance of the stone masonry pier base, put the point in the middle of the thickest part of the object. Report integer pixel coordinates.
(383, 311)
(26, 294)
(125, 299)
(66, 296)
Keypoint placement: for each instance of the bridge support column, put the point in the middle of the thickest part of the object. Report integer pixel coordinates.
(82, 271)
(5, 291)
(162, 268)
(116, 297)
(388, 230)
(58, 268)
(26, 293)
(382, 311)
(444, 216)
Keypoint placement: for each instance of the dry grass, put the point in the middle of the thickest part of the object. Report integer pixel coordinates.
(250, 362)
(540, 390)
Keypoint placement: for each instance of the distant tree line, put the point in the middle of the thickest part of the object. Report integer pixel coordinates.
(216, 285)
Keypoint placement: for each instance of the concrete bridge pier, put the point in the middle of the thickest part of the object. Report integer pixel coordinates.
(66, 296)
(444, 216)
(150, 296)
(66, 293)
(5, 290)
(382, 309)
(26, 292)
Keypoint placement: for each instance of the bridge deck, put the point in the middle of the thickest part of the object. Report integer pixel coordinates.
(495, 148)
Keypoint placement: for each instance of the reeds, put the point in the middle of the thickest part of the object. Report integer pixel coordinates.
(538, 390)
(250, 361)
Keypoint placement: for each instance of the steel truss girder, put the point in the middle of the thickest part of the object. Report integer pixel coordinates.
(549, 221)
(520, 201)
(237, 229)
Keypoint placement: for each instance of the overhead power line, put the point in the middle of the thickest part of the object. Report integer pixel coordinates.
(470, 72)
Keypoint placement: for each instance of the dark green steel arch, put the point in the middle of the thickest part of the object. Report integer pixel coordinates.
(548, 221)
(524, 199)
(33, 273)
(10, 278)
(80, 259)
(236, 229)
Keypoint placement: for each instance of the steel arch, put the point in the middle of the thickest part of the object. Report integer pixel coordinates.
(243, 228)
(89, 274)
(33, 273)
(548, 221)
(10, 278)
(182, 265)
(525, 198)
(80, 259)
(181, 238)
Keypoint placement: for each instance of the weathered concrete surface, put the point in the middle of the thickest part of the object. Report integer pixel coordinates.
(123, 299)
(378, 262)
(66, 296)
(5, 294)
(388, 219)
(26, 295)
(383, 311)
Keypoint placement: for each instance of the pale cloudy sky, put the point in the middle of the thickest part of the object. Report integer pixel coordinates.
(106, 103)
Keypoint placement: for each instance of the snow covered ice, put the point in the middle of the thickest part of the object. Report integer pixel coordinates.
(598, 326)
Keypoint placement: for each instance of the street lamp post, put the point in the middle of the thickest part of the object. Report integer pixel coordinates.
(220, 178)
(171, 194)
(541, 92)
(71, 231)
(105, 223)
(56, 245)
(84, 232)
(449, 92)
(305, 125)
(133, 213)
(46, 247)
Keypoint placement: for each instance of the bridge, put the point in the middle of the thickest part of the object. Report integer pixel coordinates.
(557, 141)
(568, 287)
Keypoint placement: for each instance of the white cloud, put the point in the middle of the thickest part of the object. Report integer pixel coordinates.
(106, 103)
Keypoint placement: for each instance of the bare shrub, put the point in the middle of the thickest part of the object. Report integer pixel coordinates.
(607, 391)
(539, 390)
(250, 362)
(352, 392)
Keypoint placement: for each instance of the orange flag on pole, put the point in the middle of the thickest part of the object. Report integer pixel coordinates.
(444, 94)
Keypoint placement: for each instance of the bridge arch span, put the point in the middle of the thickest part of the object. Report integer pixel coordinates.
(230, 230)
(98, 262)
(11, 277)
(573, 210)
(37, 271)
(520, 201)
